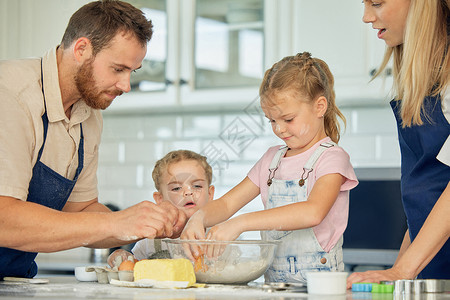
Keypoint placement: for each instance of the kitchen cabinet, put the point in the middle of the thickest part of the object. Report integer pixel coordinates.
(334, 32)
(28, 28)
(212, 54)
(217, 51)
(205, 54)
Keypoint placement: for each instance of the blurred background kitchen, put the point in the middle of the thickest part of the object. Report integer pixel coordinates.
(198, 90)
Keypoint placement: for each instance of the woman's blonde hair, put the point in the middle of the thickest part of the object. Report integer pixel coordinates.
(311, 78)
(421, 63)
(172, 157)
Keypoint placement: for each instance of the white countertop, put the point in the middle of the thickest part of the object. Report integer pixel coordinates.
(67, 287)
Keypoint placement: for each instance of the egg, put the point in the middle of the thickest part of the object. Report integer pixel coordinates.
(126, 265)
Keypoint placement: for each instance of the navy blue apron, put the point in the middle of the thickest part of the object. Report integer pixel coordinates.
(423, 177)
(47, 188)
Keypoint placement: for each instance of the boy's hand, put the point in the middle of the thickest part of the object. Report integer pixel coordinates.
(194, 229)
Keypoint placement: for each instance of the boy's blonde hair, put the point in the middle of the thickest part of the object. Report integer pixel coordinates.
(163, 164)
(421, 63)
(311, 78)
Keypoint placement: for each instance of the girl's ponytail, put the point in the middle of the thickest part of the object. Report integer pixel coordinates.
(312, 78)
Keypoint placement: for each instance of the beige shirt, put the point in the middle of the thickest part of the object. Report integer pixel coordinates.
(21, 129)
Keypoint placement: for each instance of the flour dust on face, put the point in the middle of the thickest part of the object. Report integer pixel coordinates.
(304, 130)
(293, 120)
(185, 185)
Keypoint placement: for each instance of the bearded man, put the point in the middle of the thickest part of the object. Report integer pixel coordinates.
(51, 127)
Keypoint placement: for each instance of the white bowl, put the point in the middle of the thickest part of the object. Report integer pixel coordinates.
(82, 275)
(327, 283)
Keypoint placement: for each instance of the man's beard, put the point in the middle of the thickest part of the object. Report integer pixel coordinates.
(86, 85)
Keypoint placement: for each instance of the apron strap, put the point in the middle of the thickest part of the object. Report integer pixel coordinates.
(276, 162)
(315, 156)
(277, 158)
(307, 168)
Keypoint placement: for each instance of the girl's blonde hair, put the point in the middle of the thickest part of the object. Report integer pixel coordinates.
(311, 78)
(421, 63)
(172, 157)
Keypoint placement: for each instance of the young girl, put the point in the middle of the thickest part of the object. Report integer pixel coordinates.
(304, 184)
(417, 35)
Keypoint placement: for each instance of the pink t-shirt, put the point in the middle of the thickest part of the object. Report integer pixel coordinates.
(332, 160)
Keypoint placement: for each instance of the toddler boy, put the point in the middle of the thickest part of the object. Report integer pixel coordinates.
(182, 177)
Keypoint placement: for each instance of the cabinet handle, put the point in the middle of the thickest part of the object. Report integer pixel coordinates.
(387, 72)
(170, 82)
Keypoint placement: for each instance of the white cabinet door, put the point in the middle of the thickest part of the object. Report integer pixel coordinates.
(222, 52)
(28, 28)
(155, 84)
(212, 55)
(334, 32)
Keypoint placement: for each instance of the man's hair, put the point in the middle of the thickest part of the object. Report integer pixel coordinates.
(100, 21)
(172, 157)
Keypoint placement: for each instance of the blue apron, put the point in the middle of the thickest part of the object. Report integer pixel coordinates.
(47, 188)
(424, 178)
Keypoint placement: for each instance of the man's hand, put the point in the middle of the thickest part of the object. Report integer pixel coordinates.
(146, 220)
(180, 221)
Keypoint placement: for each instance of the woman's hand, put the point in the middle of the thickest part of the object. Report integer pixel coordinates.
(375, 276)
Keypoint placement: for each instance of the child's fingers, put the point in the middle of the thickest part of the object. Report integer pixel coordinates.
(219, 250)
(200, 265)
(209, 251)
(215, 250)
(188, 251)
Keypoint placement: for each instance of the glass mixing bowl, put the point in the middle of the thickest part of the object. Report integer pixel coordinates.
(225, 262)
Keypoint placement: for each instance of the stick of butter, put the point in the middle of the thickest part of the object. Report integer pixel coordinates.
(179, 269)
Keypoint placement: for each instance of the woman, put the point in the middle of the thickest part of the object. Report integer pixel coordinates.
(416, 33)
